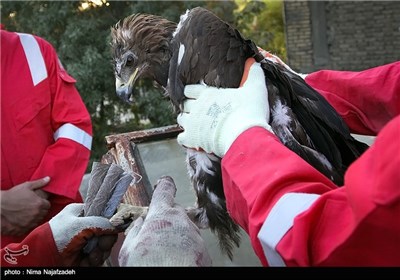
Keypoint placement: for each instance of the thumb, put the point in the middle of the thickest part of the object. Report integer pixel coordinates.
(255, 74)
(130, 242)
(249, 62)
(181, 138)
(37, 184)
(184, 140)
(73, 209)
(164, 193)
(182, 119)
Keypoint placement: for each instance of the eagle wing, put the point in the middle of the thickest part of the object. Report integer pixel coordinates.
(325, 115)
(205, 49)
(327, 135)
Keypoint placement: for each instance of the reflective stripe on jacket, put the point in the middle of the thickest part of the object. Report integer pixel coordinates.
(293, 214)
(46, 129)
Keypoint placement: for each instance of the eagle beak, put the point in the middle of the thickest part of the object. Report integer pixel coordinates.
(125, 90)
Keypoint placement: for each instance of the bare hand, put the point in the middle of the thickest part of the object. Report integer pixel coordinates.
(7, 228)
(23, 206)
(42, 194)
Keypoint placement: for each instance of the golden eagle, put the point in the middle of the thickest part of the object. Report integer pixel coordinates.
(204, 48)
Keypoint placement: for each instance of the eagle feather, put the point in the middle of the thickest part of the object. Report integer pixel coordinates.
(202, 48)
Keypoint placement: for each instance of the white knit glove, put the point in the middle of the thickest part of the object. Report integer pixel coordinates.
(72, 232)
(167, 237)
(213, 118)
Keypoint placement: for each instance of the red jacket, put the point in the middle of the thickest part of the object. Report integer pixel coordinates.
(293, 214)
(356, 224)
(37, 249)
(46, 129)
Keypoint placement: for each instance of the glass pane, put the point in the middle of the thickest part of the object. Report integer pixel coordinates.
(166, 157)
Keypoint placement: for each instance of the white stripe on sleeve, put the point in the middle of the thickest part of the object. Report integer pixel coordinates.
(280, 220)
(74, 133)
(34, 57)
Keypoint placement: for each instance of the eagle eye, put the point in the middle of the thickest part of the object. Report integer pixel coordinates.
(129, 60)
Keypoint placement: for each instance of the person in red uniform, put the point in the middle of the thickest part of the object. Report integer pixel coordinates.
(293, 214)
(46, 131)
(149, 242)
(60, 241)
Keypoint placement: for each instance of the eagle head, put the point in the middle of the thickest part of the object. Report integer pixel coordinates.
(141, 49)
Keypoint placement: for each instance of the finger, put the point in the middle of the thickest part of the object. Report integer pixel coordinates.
(74, 209)
(36, 184)
(42, 214)
(97, 175)
(249, 62)
(183, 141)
(46, 205)
(118, 192)
(163, 195)
(256, 74)
(194, 91)
(182, 119)
(188, 105)
(165, 191)
(103, 193)
(181, 138)
(41, 193)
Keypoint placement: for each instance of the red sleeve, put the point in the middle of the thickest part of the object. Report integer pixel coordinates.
(366, 100)
(37, 249)
(357, 224)
(66, 160)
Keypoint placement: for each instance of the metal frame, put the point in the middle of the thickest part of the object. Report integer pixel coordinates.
(123, 150)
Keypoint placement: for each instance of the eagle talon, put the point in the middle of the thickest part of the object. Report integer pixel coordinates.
(126, 214)
(196, 215)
